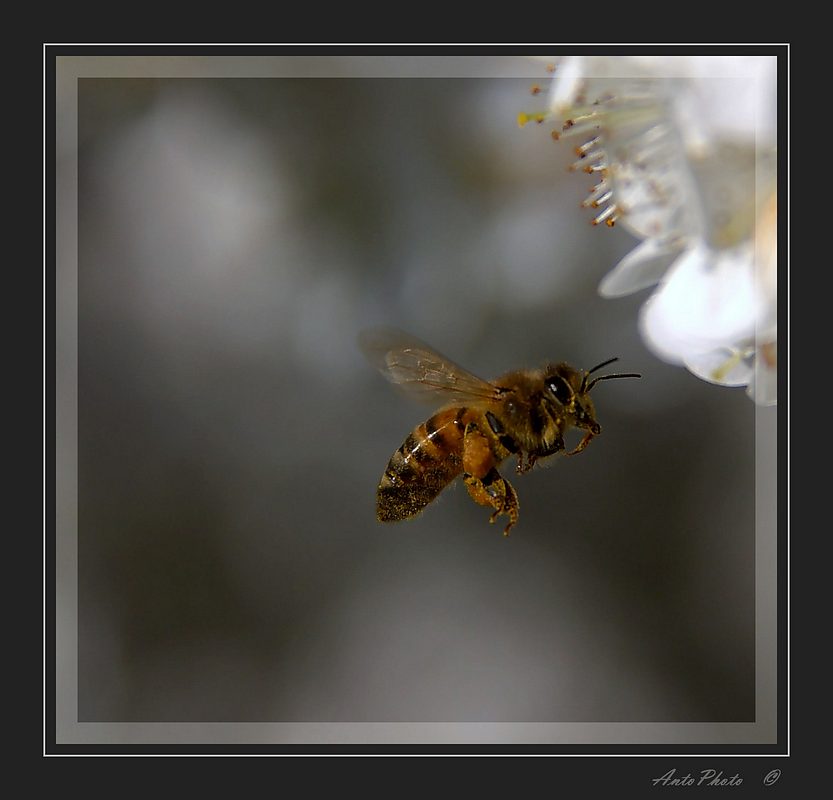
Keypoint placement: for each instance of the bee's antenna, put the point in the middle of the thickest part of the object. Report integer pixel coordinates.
(603, 364)
(598, 366)
(615, 375)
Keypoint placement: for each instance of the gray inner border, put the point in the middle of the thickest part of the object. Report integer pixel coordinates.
(68, 730)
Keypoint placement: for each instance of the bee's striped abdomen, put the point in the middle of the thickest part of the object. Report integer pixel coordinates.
(428, 460)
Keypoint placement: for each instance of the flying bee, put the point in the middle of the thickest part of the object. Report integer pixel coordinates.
(524, 413)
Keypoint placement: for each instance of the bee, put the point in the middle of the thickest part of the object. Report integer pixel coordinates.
(524, 413)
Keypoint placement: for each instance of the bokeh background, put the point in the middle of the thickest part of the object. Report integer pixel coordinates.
(234, 235)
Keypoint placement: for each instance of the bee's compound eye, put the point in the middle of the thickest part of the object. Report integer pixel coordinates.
(560, 388)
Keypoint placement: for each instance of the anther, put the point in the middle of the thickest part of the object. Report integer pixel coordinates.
(608, 216)
(582, 150)
(599, 201)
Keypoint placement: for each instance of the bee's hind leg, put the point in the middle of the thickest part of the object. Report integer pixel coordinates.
(495, 491)
(484, 483)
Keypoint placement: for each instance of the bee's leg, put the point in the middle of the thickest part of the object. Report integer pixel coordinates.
(556, 447)
(484, 483)
(525, 467)
(495, 491)
(582, 444)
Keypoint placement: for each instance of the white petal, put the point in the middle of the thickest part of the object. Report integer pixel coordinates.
(724, 366)
(730, 98)
(566, 84)
(655, 193)
(642, 267)
(708, 299)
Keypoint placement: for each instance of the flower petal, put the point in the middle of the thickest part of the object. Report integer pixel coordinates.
(730, 98)
(707, 300)
(642, 267)
(566, 84)
(725, 366)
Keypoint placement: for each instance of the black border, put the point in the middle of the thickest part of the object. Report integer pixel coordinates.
(619, 769)
(50, 406)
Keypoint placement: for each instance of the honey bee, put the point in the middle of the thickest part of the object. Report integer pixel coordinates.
(524, 413)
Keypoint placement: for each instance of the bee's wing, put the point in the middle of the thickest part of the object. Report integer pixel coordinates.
(420, 370)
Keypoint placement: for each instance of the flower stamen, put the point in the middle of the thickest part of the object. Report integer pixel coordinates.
(582, 150)
(593, 155)
(608, 216)
(719, 373)
(600, 201)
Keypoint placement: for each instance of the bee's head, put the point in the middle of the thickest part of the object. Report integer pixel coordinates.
(570, 388)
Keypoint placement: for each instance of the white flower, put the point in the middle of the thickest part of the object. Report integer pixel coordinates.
(684, 148)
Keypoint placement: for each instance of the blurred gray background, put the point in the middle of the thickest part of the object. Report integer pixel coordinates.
(234, 235)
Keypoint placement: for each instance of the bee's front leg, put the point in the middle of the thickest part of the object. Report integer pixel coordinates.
(484, 483)
(556, 447)
(582, 444)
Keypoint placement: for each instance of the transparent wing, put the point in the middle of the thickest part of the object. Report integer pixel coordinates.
(419, 369)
